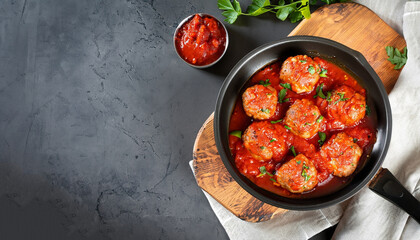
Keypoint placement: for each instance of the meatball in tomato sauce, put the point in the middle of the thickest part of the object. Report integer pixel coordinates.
(297, 175)
(303, 118)
(263, 141)
(302, 72)
(260, 102)
(342, 154)
(346, 106)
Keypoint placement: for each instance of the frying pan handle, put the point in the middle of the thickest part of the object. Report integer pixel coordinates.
(387, 186)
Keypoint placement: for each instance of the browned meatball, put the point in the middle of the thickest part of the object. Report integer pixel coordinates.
(297, 175)
(260, 102)
(302, 72)
(263, 142)
(342, 154)
(347, 106)
(303, 118)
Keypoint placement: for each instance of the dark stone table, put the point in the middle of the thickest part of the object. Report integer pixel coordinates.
(98, 117)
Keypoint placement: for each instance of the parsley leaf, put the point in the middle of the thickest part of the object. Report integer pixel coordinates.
(342, 98)
(263, 171)
(292, 148)
(311, 69)
(322, 137)
(273, 140)
(236, 134)
(265, 110)
(396, 57)
(265, 83)
(274, 122)
(323, 72)
(287, 127)
(282, 94)
(320, 119)
(286, 85)
(367, 110)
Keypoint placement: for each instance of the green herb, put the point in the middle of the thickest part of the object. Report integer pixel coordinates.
(274, 122)
(323, 72)
(304, 173)
(352, 164)
(263, 171)
(311, 69)
(273, 140)
(367, 110)
(287, 127)
(396, 57)
(302, 61)
(262, 147)
(265, 83)
(265, 110)
(286, 85)
(320, 119)
(236, 134)
(306, 124)
(298, 162)
(320, 94)
(355, 140)
(292, 148)
(322, 137)
(342, 98)
(273, 180)
(282, 94)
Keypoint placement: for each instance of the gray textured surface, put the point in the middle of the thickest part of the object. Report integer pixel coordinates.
(98, 117)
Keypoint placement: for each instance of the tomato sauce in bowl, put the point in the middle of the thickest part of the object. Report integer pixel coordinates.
(326, 99)
(201, 40)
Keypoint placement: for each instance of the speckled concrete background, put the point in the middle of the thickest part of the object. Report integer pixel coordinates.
(98, 117)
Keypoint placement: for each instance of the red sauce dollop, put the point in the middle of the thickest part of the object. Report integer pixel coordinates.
(201, 40)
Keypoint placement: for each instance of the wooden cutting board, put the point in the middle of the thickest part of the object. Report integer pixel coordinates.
(348, 23)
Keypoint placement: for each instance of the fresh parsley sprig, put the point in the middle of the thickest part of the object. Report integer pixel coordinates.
(293, 10)
(396, 57)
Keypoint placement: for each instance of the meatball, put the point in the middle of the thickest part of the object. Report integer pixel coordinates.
(342, 154)
(263, 142)
(260, 102)
(297, 175)
(303, 118)
(346, 106)
(302, 72)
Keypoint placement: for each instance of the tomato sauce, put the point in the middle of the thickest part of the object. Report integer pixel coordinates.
(363, 133)
(201, 40)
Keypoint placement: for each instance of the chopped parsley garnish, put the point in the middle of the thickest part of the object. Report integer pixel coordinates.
(320, 119)
(265, 83)
(298, 162)
(322, 137)
(306, 124)
(273, 180)
(367, 110)
(396, 57)
(263, 171)
(311, 69)
(342, 98)
(292, 149)
(302, 61)
(320, 94)
(274, 122)
(282, 94)
(287, 127)
(262, 147)
(273, 140)
(286, 85)
(236, 134)
(323, 72)
(265, 110)
(304, 173)
(355, 140)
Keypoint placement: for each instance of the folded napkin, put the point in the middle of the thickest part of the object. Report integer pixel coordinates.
(366, 215)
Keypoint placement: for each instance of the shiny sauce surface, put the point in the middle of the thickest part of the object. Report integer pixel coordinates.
(363, 133)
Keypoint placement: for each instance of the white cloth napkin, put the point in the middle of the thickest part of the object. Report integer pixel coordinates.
(366, 215)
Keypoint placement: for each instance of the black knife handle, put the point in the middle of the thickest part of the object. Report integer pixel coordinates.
(387, 186)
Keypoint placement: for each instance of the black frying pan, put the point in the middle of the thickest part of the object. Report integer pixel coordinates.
(384, 183)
